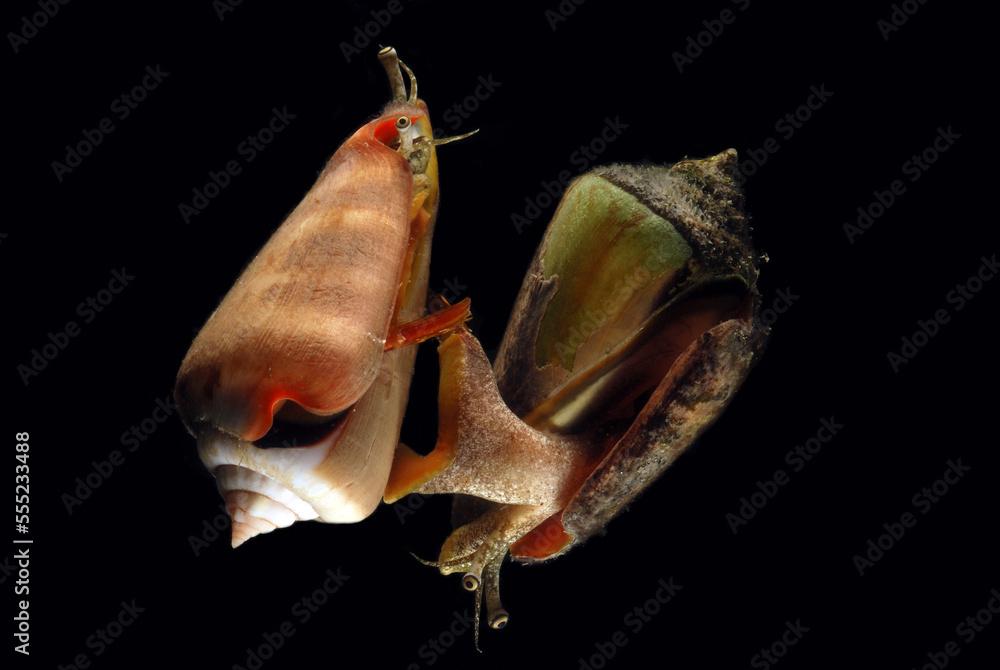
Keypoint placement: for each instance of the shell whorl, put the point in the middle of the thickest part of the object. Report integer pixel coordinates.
(338, 479)
(258, 504)
(264, 489)
(306, 325)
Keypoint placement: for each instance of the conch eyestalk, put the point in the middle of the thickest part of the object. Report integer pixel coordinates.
(296, 386)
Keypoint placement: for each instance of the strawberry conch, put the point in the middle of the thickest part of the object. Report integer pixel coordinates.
(289, 388)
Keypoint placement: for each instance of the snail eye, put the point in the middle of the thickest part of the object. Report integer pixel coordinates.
(387, 130)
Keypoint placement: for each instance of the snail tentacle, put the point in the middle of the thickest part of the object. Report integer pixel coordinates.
(390, 61)
(438, 141)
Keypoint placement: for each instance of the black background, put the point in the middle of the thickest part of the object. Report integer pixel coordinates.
(131, 539)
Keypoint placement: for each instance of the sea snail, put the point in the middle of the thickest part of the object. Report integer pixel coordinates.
(295, 387)
(635, 325)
